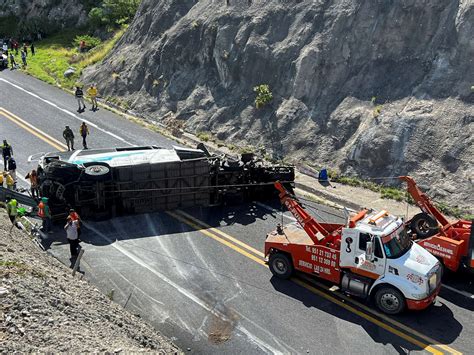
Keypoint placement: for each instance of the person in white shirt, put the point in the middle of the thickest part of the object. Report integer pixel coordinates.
(72, 237)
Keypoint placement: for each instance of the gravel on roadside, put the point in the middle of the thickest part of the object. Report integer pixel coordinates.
(43, 308)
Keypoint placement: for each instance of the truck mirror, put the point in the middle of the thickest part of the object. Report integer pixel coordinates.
(369, 251)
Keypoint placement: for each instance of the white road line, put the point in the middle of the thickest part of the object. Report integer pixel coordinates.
(274, 210)
(91, 124)
(464, 293)
(257, 341)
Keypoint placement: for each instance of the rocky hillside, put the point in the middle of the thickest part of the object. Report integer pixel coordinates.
(45, 16)
(373, 88)
(43, 309)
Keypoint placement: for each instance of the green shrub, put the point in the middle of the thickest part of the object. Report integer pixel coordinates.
(113, 13)
(264, 95)
(204, 136)
(90, 41)
(97, 17)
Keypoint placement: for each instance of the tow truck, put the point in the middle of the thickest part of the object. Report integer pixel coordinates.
(371, 256)
(451, 243)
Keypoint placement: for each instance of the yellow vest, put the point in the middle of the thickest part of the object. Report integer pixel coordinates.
(10, 181)
(92, 92)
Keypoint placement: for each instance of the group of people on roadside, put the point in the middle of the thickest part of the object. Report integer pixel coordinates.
(73, 221)
(11, 48)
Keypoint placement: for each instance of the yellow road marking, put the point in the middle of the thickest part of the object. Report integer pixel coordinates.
(386, 318)
(198, 225)
(215, 237)
(33, 130)
(217, 231)
(367, 317)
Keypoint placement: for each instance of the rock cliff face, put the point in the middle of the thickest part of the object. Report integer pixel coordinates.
(43, 15)
(374, 88)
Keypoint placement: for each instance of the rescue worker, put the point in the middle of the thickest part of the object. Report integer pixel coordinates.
(92, 92)
(9, 180)
(33, 177)
(45, 214)
(84, 131)
(79, 94)
(12, 210)
(1, 179)
(12, 170)
(69, 137)
(7, 152)
(72, 237)
(75, 217)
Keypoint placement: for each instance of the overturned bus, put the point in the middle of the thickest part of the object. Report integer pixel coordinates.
(102, 183)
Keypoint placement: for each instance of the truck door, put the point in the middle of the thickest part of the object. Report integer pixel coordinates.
(372, 269)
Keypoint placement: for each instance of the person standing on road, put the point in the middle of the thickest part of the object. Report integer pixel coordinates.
(84, 131)
(79, 94)
(75, 217)
(32, 47)
(23, 58)
(33, 176)
(92, 92)
(16, 46)
(72, 237)
(45, 214)
(12, 170)
(12, 210)
(25, 49)
(12, 61)
(7, 152)
(69, 137)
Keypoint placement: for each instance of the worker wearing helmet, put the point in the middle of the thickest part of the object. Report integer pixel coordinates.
(12, 209)
(45, 214)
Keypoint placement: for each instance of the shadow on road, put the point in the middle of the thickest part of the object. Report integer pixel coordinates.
(436, 322)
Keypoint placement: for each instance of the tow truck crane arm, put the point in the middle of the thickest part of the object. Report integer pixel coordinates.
(423, 201)
(309, 224)
(320, 233)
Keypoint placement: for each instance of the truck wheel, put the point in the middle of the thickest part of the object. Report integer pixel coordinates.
(280, 266)
(390, 300)
(97, 171)
(424, 225)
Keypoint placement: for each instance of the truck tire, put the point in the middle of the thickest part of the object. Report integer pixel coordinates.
(389, 300)
(97, 171)
(280, 265)
(424, 225)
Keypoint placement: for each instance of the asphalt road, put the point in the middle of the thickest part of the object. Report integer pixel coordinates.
(198, 275)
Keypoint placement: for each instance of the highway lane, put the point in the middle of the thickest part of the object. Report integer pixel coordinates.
(210, 295)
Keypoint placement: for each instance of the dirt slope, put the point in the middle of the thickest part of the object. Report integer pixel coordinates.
(47, 310)
(373, 88)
